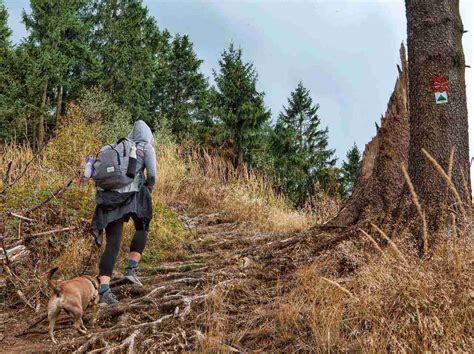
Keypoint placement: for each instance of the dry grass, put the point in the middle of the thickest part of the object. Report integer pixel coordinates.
(392, 301)
(210, 182)
(202, 181)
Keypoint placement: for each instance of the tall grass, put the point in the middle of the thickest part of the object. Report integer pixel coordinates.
(210, 182)
(394, 300)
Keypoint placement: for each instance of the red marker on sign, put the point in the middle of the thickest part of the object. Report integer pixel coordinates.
(440, 85)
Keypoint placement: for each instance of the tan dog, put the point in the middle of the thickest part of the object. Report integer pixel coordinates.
(73, 296)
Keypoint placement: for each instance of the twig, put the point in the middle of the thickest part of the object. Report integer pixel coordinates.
(7, 260)
(9, 185)
(7, 175)
(21, 217)
(85, 346)
(50, 232)
(54, 194)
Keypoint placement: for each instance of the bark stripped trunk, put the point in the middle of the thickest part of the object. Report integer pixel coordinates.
(435, 50)
(59, 104)
(380, 183)
(40, 137)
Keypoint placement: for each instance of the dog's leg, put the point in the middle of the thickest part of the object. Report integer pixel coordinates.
(95, 303)
(82, 325)
(53, 312)
(77, 315)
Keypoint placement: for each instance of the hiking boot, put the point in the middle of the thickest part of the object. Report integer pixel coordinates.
(131, 275)
(108, 298)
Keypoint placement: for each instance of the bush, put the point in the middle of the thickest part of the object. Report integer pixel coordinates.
(98, 107)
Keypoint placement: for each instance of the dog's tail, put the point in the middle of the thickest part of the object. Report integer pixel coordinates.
(53, 285)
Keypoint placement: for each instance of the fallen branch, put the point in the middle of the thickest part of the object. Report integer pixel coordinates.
(128, 343)
(21, 217)
(53, 195)
(104, 334)
(50, 232)
(5, 251)
(8, 253)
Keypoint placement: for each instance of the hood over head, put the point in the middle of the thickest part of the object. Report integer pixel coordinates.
(141, 132)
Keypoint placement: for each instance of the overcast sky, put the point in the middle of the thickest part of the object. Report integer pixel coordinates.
(345, 52)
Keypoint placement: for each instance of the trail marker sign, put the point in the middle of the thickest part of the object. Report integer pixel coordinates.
(440, 86)
(441, 97)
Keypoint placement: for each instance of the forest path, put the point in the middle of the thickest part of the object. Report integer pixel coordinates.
(174, 310)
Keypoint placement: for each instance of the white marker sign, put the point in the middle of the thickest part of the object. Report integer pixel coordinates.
(441, 97)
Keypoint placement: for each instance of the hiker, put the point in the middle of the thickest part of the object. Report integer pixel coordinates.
(116, 206)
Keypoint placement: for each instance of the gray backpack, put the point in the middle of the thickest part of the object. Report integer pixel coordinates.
(111, 166)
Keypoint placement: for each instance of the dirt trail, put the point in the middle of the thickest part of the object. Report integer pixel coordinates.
(171, 311)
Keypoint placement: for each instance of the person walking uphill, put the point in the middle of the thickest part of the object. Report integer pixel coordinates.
(117, 206)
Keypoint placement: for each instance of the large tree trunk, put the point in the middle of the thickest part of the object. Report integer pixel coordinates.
(380, 183)
(435, 54)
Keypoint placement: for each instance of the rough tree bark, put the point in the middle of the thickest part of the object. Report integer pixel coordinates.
(435, 54)
(380, 183)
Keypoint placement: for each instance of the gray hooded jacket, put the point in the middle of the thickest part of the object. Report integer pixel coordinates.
(146, 158)
(134, 198)
(142, 136)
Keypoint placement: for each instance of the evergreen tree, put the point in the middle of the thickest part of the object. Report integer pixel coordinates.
(300, 148)
(180, 89)
(240, 108)
(6, 79)
(349, 171)
(5, 32)
(125, 41)
(56, 47)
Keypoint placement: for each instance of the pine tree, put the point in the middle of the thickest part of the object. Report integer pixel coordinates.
(125, 41)
(240, 108)
(180, 89)
(300, 148)
(349, 171)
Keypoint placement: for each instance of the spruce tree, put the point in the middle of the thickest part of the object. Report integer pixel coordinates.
(349, 171)
(300, 148)
(302, 158)
(56, 46)
(240, 108)
(5, 32)
(440, 128)
(180, 89)
(6, 80)
(125, 41)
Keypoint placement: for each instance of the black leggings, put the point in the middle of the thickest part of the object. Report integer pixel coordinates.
(113, 233)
